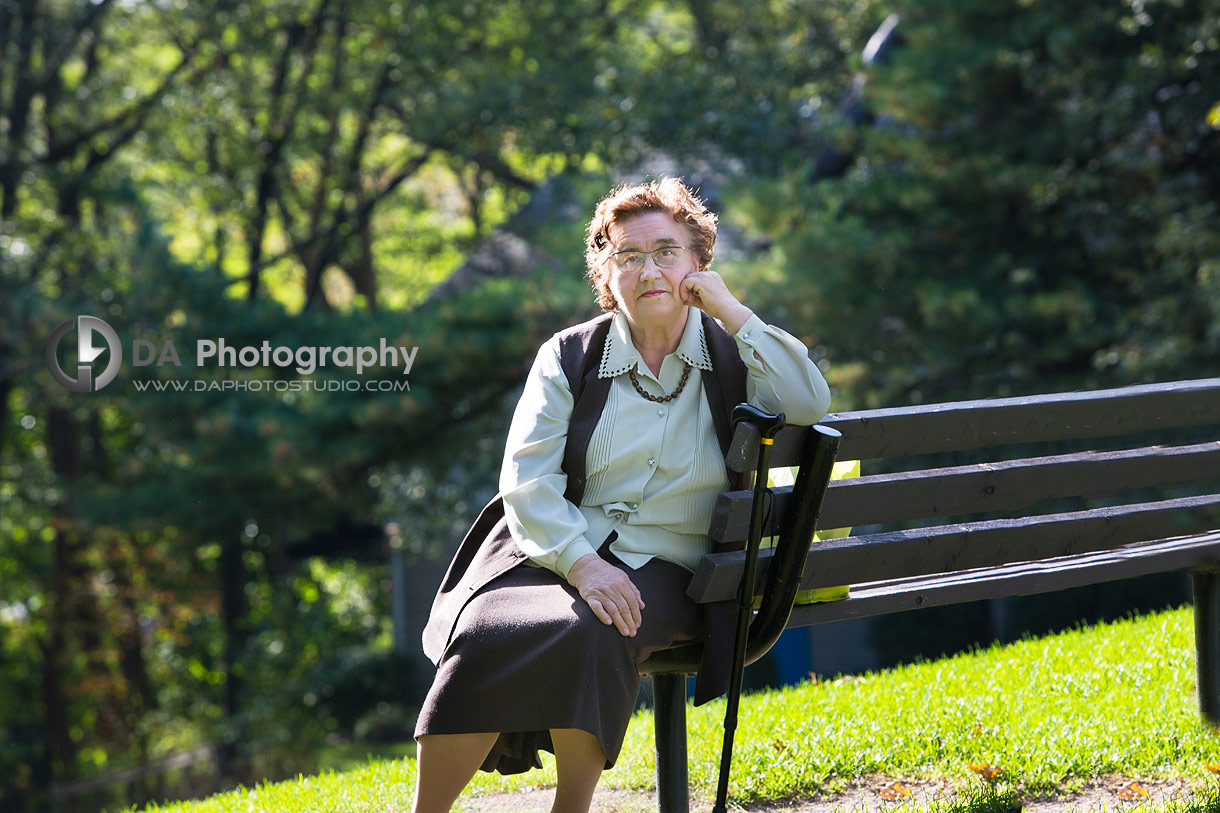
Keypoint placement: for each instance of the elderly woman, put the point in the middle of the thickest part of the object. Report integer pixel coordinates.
(578, 570)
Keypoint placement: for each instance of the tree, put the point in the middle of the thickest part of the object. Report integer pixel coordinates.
(68, 112)
(1030, 211)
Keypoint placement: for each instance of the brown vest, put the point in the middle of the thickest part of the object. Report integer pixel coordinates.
(487, 550)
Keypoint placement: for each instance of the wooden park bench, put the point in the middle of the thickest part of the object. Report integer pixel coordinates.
(990, 498)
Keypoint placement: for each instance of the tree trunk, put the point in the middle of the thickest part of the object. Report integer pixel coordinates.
(6, 390)
(132, 663)
(233, 620)
(55, 706)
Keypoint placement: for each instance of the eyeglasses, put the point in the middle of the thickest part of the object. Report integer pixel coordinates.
(633, 261)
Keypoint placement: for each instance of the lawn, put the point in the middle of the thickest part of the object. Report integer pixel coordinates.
(1041, 716)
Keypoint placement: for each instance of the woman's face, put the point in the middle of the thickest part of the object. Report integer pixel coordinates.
(650, 296)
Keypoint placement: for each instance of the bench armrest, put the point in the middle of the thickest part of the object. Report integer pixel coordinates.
(787, 567)
(787, 562)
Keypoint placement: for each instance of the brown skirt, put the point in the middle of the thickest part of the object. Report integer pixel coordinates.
(528, 655)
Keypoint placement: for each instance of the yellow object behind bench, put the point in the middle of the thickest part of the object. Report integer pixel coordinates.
(786, 477)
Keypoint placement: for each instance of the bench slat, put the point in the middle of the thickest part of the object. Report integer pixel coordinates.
(962, 425)
(1011, 580)
(984, 487)
(961, 546)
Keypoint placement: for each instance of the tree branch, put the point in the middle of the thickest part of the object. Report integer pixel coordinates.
(138, 111)
(87, 20)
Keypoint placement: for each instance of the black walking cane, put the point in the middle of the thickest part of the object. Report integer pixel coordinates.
(767, 426)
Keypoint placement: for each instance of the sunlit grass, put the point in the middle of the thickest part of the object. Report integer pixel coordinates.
(1041, 716)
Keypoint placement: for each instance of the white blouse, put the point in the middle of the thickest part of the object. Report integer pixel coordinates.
(654, 469)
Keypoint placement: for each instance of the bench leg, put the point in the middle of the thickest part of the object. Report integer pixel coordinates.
(1207, 642)
(669, 716)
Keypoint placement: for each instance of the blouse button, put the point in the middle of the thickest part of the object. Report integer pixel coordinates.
(661, 412)
(652, 461)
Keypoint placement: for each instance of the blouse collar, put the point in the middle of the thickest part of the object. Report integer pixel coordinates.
(620, 354)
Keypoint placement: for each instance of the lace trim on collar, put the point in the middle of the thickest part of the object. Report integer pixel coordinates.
(704, 359)
(604, 370)
(700, 358)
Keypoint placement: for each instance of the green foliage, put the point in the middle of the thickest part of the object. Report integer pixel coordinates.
(349, 156)
(752, 83)
(1031, 211)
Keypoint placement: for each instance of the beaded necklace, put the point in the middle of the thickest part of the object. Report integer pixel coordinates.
(635, 382)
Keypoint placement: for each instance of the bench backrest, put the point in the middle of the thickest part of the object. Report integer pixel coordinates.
(1150, 490)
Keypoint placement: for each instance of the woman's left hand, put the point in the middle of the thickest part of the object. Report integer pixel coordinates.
(609, 592)
(706, 291)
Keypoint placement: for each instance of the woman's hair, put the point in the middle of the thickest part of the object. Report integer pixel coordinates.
(625, 202)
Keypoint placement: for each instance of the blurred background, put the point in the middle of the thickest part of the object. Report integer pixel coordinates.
(944, 199)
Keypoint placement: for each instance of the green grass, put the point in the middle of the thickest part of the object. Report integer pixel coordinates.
(1050, 712)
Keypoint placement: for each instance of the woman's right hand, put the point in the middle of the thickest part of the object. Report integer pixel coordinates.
(608, 591)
